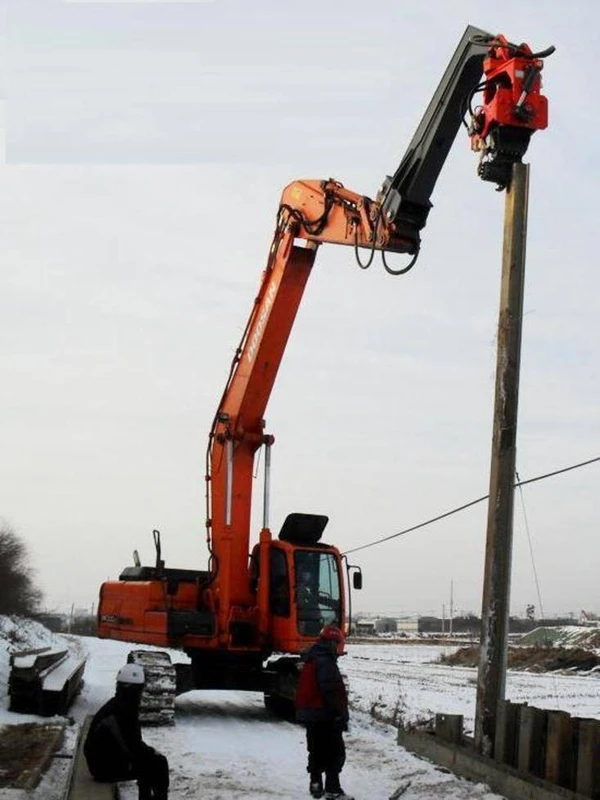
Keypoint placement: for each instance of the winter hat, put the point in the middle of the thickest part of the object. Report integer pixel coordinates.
(331, 633)
(131, 675)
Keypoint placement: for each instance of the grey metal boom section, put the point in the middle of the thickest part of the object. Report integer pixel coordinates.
(407, 193)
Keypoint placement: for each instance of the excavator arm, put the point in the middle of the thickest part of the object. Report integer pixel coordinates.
(513, 108)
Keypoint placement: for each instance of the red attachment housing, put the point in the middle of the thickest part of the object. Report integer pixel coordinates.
(512, 94)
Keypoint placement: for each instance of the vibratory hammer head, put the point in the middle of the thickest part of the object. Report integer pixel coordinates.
(512, 108)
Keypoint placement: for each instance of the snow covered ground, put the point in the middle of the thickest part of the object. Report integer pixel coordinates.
(405, 683)
(224, 745)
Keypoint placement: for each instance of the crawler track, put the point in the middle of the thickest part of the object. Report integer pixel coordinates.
(158, 698)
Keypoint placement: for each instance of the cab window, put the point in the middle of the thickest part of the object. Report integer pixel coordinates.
(317, 591)
(279, 590)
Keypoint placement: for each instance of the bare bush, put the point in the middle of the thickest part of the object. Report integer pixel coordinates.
(18, 593)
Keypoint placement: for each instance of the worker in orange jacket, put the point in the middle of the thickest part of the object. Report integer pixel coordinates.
(322, 706)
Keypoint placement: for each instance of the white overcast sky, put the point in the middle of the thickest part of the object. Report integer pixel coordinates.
(145, 148)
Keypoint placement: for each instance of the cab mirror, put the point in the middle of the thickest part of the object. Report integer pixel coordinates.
(357, 580)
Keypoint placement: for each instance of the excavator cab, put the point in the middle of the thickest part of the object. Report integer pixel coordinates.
(305, 593)
(317, 591)
(306, 584)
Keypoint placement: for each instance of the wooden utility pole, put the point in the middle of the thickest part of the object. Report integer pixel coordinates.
(496, 588)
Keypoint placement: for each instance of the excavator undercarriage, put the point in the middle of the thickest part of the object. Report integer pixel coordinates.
(157, 706)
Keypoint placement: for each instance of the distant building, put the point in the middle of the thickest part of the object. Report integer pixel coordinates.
(364, 627)
(430, 625)
(589, 619)
(386, 625)
(407, 625)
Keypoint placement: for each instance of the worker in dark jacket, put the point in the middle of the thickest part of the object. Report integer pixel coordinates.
(114, 749)
(322, 705)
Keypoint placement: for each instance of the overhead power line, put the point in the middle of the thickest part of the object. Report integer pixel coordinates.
(531, 553)
(468, 505)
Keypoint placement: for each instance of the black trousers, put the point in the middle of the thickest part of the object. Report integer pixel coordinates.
(326, 752)
(151, 770)
(153, 777)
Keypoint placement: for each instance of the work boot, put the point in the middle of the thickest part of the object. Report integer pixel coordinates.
(152, 793)
(316, 785)
(333, 790)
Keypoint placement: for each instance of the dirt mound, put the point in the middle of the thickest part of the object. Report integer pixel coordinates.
(24, 753)
(532, 659)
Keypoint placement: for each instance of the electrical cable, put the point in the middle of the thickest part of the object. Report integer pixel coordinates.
(375, 230)
(386, 266)
(402, 271)
(543, 53)
(312, 227)
(467, 101)
(530, 543)
(558, 471)
(493, 41)
(468, 505)
(535, 576)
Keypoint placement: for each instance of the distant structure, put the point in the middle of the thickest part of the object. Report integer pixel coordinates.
(465, 626)
(364, 627)
(589, 619)
(385, 626)
(407, 625)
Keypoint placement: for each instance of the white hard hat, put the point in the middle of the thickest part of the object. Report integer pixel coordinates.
(132, 674)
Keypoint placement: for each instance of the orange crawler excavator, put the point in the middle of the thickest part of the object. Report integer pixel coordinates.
(245, 619)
